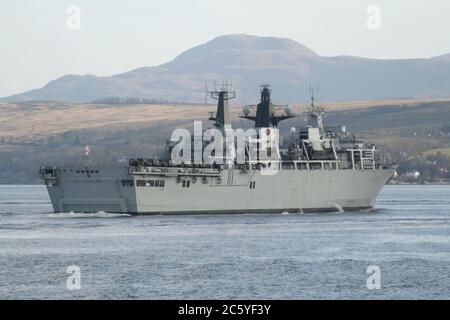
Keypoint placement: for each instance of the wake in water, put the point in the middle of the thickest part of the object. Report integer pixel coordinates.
(100, 214)
(25, 202)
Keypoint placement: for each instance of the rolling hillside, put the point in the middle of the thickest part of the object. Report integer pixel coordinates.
(36, 133)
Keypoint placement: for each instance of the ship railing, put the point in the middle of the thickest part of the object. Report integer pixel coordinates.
(174, 171)
(363, 158)
(298, 164)
(356, 163)
(317, 164)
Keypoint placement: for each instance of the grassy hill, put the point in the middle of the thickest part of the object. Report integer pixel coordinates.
(36, 133)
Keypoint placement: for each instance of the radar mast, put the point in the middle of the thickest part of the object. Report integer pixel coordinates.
(315, 112)
(266, 116)
(222, 94)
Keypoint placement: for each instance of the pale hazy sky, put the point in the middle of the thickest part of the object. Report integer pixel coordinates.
(36, 45)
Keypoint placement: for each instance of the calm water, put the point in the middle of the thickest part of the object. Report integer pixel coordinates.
(237, 256)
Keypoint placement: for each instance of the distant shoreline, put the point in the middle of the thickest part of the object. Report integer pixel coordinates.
(389, 184)
(420, 184)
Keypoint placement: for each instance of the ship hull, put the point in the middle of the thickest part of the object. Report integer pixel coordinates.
(232, 191)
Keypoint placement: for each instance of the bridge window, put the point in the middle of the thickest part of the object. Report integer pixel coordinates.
(150, 183)
(127, 183)
(186, 183)
(140, 183)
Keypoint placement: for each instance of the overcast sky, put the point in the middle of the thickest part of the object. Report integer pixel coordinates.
(39, 40)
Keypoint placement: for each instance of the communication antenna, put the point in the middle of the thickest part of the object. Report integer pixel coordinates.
(315, 113)
(312, 90)
(226, 87)
(206, 92)
(222, 94)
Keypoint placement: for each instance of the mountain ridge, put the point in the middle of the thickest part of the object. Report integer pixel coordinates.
(247, 61)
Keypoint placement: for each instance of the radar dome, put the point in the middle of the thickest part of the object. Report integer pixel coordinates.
(289, 111)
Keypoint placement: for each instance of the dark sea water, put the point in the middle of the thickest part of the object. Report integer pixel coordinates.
(279, 256)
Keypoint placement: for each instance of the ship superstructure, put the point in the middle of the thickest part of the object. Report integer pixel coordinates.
(314, 169)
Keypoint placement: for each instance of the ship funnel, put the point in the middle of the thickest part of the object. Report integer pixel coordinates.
(266, 116)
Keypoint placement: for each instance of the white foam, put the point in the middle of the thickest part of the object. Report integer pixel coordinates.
(100, 214)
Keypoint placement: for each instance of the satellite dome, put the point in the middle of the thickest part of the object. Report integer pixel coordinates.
(289, 111)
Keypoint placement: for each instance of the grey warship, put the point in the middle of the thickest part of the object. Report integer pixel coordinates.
(318, 169)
